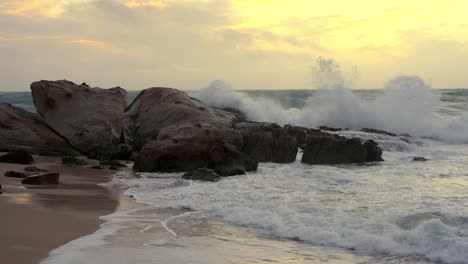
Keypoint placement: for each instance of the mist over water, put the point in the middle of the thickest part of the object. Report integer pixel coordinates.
(407, 104)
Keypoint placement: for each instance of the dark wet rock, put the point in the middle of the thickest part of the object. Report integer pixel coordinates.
(43, 178)
(91, 119)
(34, 169)
(70, 160)
(16, 174)
(157, 108)
(1, 189)
(113, 168)
(332, 129)
(202, 174)
(299, 132)
(18, 157)
(419, 159)
(334, 149)
(268, 142)
(190, 146)
(20, 129)
(376, 131)
(97, 167)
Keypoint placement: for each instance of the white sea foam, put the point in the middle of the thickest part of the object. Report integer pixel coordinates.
(406, 105)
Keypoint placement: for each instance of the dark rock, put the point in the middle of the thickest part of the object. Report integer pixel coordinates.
(376, 131)
(299, 132)
(334, 149)
(419, 159)
(97, 167)
(202, 174)
(190, 146)
(157, 108)
(374, 152)
(16, 174)
(1, 189)
(43, 178)
(34, 169)
(332, 129)
(20, 129)
(70, 160)
(17, 156)
(268, 142)
(91, 119)
(113, 168)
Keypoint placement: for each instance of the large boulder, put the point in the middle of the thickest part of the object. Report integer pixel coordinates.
(268, 142)
(334, 149)
(157, 108)
(190, 146)
(17, 156)
(20, 129)
(91, 119)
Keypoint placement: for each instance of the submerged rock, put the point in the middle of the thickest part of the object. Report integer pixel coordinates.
(202, 174)
(269, 142)
(18, 157)
(190, 146)
(70, 160)
(157, 108)
(1, 189)
(334, 149)
(91, 119)
(376, 131)
(419, 159)
(20, 129)
(34, 169)
(43, 178)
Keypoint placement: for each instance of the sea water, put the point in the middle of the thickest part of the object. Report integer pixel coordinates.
(396, 211)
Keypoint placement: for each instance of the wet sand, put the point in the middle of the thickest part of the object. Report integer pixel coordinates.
(37, 219)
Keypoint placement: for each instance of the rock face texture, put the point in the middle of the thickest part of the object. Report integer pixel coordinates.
(334, 149)
(267, 142)
(190, 146)
(20, 129)
(18, 157)
(91, 119)
(157, 108)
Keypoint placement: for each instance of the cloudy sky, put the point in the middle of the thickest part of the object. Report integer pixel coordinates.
(251, 44)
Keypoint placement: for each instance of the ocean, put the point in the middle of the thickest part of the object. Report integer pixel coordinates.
(396, 211)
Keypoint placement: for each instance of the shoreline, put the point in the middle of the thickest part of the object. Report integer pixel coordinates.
(38, 219)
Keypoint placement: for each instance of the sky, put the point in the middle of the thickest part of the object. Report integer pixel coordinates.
(250, 44)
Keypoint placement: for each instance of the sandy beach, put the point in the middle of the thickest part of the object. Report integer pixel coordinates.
(37, 219)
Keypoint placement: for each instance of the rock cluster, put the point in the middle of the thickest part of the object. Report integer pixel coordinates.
(163, 130)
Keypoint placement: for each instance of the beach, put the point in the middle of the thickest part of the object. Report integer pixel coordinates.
(37, 219)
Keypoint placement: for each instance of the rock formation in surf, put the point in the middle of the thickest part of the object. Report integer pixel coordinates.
(91, 119)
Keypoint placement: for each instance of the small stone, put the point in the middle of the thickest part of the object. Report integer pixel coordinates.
(70, 160)
(419, 159)
(16, 174)
(202, 174)
(43, 178)
(34, 169)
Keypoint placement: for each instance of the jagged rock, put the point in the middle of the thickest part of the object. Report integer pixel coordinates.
(267, 142)
(20, 129)
(190, 146)
(17, 156)
(376, 131)
(157, 108)
(91, 119)
(70, 160)
(43, 178)
(419, 159)
(334, 149)
(17, 174)
(34, 169)
(202, 174)
(332, 129)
